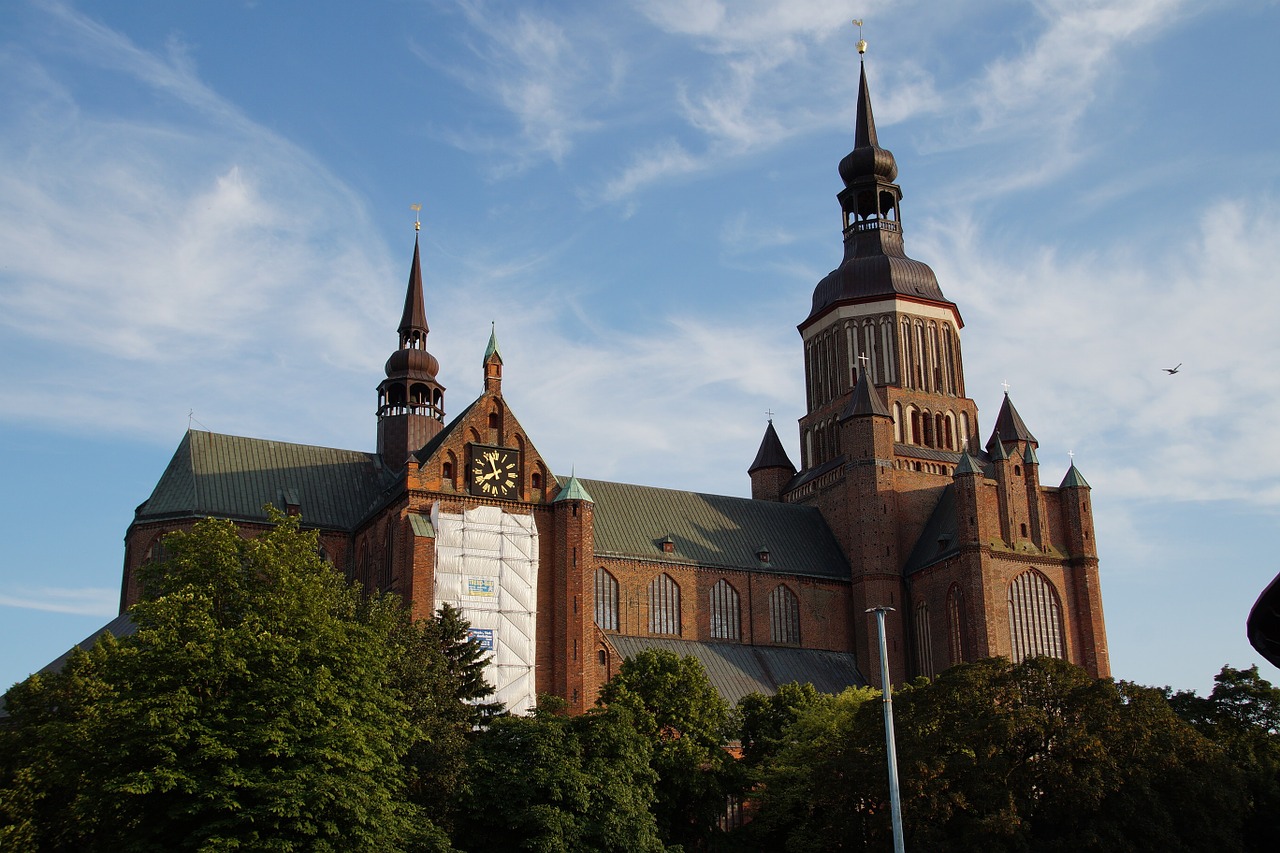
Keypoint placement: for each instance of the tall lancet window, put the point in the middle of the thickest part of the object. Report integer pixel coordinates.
(726, 616)
(955, 624)
(924, 644)
(784, 616)
(1035, 617)
(664, 605)
(606, 600)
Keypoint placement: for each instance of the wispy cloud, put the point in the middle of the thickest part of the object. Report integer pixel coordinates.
(1083, 338)
(87, 601)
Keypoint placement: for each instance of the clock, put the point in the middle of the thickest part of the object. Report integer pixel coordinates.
(495, 471)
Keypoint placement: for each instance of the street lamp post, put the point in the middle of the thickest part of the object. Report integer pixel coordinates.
(895, 802)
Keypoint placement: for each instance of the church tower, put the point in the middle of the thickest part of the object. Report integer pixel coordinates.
(882, 314)
(410, 399)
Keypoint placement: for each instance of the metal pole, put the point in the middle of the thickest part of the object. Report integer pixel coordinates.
(895, 802)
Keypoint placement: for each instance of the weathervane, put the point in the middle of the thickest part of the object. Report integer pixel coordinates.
(417, 224)
(862, 43)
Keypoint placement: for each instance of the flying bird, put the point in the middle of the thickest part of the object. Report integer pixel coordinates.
(1172, 370)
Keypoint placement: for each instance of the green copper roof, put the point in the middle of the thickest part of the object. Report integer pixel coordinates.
(1074, 479)
(573, 491)
(234, 477)
(713, 530)
(968, 465)
(492, 348)
(1029, 456)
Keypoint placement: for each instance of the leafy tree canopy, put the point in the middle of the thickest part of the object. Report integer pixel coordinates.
(262, 704)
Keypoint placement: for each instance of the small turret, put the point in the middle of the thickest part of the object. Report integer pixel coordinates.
(772, 468)
(493, 364)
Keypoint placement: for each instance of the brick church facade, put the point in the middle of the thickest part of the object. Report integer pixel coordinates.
(895, 502)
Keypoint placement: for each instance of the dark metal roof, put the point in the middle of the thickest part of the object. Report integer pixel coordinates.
(1009, 426)
(713, 530)
(414, 318)
(865, 400)
(121, 626)
(736, 670)
(940, 538)
(234, 477)
(915, 451)
(771, 453)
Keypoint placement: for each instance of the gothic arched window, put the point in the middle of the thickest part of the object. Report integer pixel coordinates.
(1035, 618)
(664, 605)
(784, 616)
(726, 616)
(955, 624)
(924, 641)
(606, 600)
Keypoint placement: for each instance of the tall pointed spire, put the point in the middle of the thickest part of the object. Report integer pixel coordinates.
(414, 318)
(410, 399)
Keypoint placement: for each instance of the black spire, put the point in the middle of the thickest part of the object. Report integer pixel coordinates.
(771, 453)
(1009, 426)
(875, 263)
(414, 318)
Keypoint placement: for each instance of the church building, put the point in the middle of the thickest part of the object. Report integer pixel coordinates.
(896, 503)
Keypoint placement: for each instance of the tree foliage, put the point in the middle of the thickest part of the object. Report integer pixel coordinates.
(679, 711)
(554, 784)
(1000, 757)
(262, 704)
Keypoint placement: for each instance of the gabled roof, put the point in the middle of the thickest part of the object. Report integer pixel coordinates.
(231, 476)
(713, 530)
(771, 453)
(736, 670)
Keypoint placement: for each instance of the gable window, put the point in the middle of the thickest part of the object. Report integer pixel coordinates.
(664, 605)
(726, 616)
(784, 616)
(1035, 618)
(606, 600)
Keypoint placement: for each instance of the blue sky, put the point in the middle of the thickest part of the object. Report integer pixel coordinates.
(204, 213)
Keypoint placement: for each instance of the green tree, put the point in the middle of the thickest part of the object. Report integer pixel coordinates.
(679, 711)
(554, 784)
(765, 719)
(261, 704)
(1242, 715)
(995, 756)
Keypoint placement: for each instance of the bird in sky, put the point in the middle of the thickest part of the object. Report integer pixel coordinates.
(1172, 370)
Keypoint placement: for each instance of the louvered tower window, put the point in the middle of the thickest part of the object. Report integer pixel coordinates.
(664, 605)
(784, 616)
(726, 619)
(1035, 617)
(924, 645)
(606, 600)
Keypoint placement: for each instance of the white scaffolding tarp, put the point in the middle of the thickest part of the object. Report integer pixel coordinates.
(487, 567)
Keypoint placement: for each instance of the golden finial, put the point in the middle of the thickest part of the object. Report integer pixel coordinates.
(417, 224)
(862, 43)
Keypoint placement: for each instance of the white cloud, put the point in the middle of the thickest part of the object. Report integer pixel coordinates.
(87, 601)
(1082, 340)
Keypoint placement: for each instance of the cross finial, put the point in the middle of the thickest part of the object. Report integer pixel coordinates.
(417, 222)
(1006, 387)
(862, 44)
(864, 358)
(769, 414)
(1071, 454)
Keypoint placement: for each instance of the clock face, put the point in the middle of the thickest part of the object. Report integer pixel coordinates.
(495, 471)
